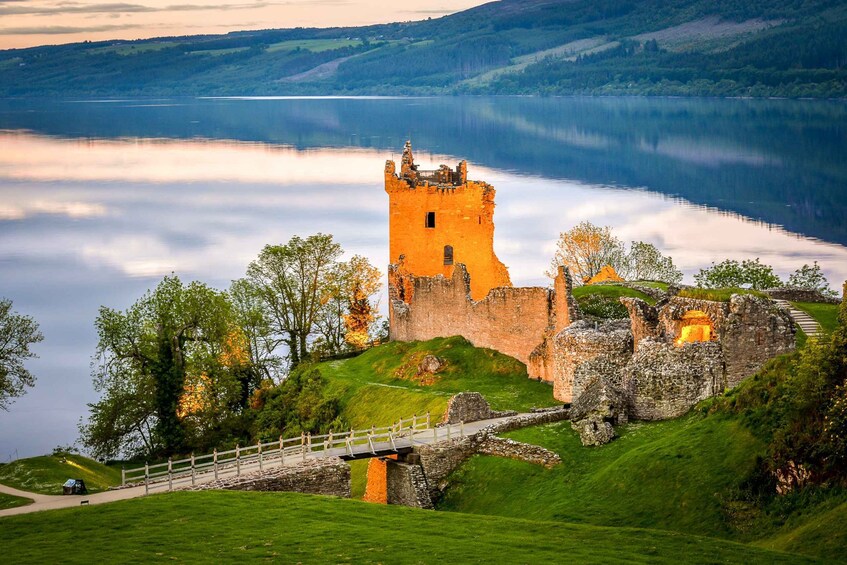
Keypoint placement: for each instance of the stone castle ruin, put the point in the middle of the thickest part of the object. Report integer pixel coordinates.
(445, 280)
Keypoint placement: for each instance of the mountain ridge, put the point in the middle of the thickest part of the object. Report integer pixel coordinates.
(547, 47)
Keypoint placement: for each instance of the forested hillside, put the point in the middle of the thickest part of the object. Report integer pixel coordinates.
(678, 47)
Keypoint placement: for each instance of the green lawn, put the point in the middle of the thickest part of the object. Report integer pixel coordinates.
(667, 475)
(379, 386)
(214, 527)
(824, 314)
(45, 474)
(717, 294)
(9, 501)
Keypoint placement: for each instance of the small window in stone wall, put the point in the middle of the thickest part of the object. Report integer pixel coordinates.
(448, 254)
(430, 219)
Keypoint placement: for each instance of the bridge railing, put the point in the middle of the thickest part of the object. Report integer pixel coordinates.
(218, 464)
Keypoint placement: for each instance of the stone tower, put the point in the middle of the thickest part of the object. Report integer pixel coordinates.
(438, 219)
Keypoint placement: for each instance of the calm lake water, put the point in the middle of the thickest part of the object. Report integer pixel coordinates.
(100, 199)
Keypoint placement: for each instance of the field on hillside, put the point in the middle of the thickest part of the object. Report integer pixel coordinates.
(382, 385)
(228, 526)
(46, 474)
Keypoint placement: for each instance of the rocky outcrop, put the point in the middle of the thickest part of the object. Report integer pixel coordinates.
(664, 380)
(595, 410)
(431, 364)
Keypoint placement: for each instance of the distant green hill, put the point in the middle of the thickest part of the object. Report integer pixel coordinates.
(678, 47)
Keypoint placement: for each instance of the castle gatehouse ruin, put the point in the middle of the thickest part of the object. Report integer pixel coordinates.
(445, 280)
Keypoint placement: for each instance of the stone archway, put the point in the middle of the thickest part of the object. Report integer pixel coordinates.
(695, 326)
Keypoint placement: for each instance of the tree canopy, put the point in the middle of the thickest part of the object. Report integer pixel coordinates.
(17, 334)
(746, 274)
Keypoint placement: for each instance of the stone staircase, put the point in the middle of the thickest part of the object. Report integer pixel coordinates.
(805, 322)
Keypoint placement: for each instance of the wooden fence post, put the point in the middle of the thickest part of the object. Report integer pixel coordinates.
(146, 478)
(461, 428)
(435, 434)
(170, 474)
(308, 444)
(281, 452)
(237, 460)
(259, 446)
(192, 469)
(448, 431)
(414, 421)
(123, 475)
(215, 462)
(427, 418)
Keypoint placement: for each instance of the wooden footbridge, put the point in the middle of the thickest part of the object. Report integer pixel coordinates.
(400, 437)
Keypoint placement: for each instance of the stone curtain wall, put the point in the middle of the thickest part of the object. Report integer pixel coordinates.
(464, 219)
(512, 321)
(329, 476)
(755, 330)
(664, 380)
(511, 449)
(794, 294)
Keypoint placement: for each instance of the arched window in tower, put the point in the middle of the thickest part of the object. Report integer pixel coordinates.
(448, 254)
(430, 219)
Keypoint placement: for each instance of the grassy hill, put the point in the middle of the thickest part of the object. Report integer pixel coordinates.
(681, 47)
(46, 474)
(382, 385)
(9, 501)
(229, 526)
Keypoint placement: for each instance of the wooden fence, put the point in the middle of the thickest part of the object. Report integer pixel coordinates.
(183, 472)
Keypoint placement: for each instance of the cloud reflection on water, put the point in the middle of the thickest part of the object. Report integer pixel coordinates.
(97, 222)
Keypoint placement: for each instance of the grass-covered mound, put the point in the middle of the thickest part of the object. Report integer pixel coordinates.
(9, 501)
(288, 527)
(601, 300)
(47, 473)
(382, 385)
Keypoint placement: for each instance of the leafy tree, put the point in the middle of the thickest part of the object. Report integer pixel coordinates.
(811, 278)
(173, 362)
(731, 273)
(262, 343)
(17, 333)
(586, 249)
(644, 262)
(361, 282)
(291, 281)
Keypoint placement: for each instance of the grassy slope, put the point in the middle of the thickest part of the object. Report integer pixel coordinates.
(46, 474)
(611, 291)
(379, 386)
(825, 314)
(671, 475)
(9, 501)
(229, 526)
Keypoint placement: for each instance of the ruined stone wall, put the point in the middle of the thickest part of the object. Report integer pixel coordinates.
(664, 380)
(582, 350)
(512, 321)
(329, 476)
(466, 407)
(671, 315)
(755, 330)
(794, 294)
(464, 219)
(511, 449)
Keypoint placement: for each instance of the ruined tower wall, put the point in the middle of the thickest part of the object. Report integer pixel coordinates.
(464, 220)
(512, 321)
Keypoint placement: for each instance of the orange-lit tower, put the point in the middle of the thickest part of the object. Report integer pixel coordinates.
(438, 219)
